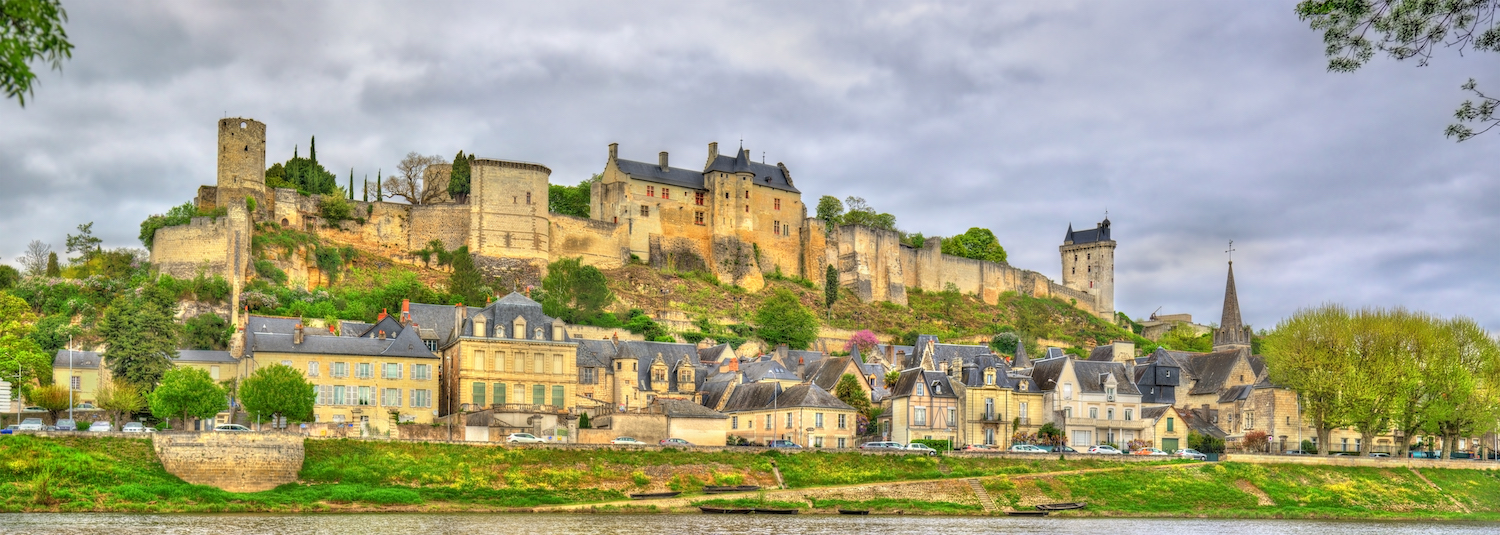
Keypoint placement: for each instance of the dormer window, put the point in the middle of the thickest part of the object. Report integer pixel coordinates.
(920, 390)
(937, 388)
(989, 377)
(1109, 394)
(538, 333)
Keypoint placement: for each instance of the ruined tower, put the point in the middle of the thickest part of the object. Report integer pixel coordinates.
(242, 161)
(1232, 332)
(1088, 265)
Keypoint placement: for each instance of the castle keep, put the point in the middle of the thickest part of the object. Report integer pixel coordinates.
(733, 217)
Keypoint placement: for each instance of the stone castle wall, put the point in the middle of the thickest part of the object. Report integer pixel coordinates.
(448, 223)
(508, 210)
(203, 244)
(598, 243)
(236, 462)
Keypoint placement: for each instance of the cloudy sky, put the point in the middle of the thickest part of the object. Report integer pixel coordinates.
(1192, 123)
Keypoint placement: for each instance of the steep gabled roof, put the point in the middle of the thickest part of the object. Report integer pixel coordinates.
(406, 344)
(772, 176)
(1211, 370)
(1091, 377)
(1021, 360)
(1236, 393)
(1152, 413)
(1197, 421)
(762, 396)
(595, 353)
(910, 377)
(1097, 234)
(80, 359)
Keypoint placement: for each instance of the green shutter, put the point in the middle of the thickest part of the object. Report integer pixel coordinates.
(1169, 425)
(538, 395)
(479, 394)
(557, 396)
(500, 393)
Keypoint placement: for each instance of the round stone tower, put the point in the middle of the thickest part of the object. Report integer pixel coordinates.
(242, 161)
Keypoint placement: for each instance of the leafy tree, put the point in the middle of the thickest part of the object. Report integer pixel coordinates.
(51, 333)
(1005, 343)
(55, 398)
(571, 200)
(140, 336)
(119, 398)
(207, 331)
(583, 421)
(52, 268)
(1465, 381)
(781, 319)
(1207, 444)
(575, 292)
(351, 187)
(830, 287)
(849, 390)
(466, 283)
(278, 391)
(84, 243)
(19, 352)
(1183, 338)
(30, 30)
(305, 175)
(860, 213)
(1410, 29)
(831, 211)
(977, 243)
(1307, 353)
(9, 276)
(335, 208)
(891, 377)
(636, 321)
(916, 241)
(458, 179)
(1050, 435)
(187, 392)
(276, 177)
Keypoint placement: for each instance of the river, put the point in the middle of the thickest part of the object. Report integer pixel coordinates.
(612, 524)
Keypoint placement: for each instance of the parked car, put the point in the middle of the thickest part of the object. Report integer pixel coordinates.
(1148, 451)
(624, 441)
(1026, 448)
(782, 444)
(1190, 453)
(1105, 449)
(133, 427)
(675, 442)
(232, 428)
(528, 438)
(1379, 454)
(921, 448)
(1424, 455)
(978, 448)
(32, 424)
(10, 429)
(1058, 449)
(1296, 452)
(64, 424)
(101, 427)
(882, 446)
(85, 406)
(33, 408)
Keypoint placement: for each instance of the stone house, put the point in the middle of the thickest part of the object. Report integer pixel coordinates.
(508, 352)
(1092, 402)
(923, 405)
(805, 414)
(80, 371)
(996, 403)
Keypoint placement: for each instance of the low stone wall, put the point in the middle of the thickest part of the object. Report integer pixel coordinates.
(1376, 462)
(236, 462)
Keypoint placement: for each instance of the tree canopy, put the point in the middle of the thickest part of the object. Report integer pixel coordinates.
(278, 391)
(140, 335)
(30, 30)
(458, 178)
(575, 292)
(466, 282)
(850, 390)
(781, 319)
(571, 200)
(19, 351)
(187, 392)
(54, 398)
(305, 175)
(1353, 30)
(119, 398)
(976, 243)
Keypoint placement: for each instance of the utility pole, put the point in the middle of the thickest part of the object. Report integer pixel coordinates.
(70, 380)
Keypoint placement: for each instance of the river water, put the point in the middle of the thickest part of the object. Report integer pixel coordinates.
(607, 524)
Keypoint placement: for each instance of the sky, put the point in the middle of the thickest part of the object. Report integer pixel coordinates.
(1191, 123)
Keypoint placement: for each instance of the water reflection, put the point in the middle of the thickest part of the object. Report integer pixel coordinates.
(359, 524)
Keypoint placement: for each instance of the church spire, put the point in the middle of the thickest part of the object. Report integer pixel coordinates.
(1232, 332)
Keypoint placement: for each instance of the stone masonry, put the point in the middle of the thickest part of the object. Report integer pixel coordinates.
(236, 462)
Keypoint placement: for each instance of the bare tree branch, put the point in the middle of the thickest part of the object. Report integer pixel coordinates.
(408, 183)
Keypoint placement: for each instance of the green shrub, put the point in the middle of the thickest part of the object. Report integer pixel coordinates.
(268, 271)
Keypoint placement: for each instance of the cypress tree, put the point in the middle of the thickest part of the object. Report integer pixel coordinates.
(465, 280)
(458, 178)
(378, 194)
(351, 183)
(830, 287)
(312, 150)
(52, 269)
(367, 188)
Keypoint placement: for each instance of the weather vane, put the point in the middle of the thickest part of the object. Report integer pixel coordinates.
(1231, 251)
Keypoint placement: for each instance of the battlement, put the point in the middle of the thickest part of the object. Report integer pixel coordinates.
(513, 164)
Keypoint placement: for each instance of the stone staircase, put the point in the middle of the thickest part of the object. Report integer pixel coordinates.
(984, 497)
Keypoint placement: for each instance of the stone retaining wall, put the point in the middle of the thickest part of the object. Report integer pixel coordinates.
(236, 462)
(1347, 460)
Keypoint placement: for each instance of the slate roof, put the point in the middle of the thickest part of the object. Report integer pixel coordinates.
(1197, 421)
(439, 319)
(1152, 413)
(1055, 352)
(81, 359)
(1046, 371)
(909, 378)
(194, 355)
(652, 172)
(1090, 376)
(1236, 393)
(973, 371)
(716, 353)
(272, 324)
(772, 176)
(354, 328)
(500, 316)
(1021, 360)
(713, 391)
(1104, 353)
(766, 369)
(681, 408)
(1097, 234)
(406, 344)
(595, 353)
(762, 396)
(1211, 370)
(672, 355)
(826, 373)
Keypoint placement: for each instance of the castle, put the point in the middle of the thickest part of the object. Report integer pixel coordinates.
(735, 218)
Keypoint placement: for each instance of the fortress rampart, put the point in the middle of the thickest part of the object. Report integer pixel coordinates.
(737, 219)
(236, 462)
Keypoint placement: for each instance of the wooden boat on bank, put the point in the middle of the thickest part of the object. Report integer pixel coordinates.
(854, 511)
(760, 511)
(1027, 513)
(721, 489)
(654, 495)
(724, 510)
(1061, 506)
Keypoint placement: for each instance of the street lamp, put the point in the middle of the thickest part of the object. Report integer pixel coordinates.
(70, 379)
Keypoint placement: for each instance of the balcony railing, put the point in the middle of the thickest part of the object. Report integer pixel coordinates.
(1105, 423)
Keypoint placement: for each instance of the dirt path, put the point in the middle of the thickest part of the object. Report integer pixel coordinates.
(800, 494)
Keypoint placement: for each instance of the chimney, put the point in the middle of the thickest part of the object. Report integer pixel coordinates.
(381, 316)
(663, 158)
(614, 151)
(406, 312)
(297, 334)
(459, 313)
(713, 153)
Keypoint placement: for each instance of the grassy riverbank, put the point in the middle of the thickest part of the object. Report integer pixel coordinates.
(116, 474)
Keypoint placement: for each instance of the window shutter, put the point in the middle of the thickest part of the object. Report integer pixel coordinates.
(400, 370)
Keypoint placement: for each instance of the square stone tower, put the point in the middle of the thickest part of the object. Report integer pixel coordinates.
(242, 161)
(1088, 265)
